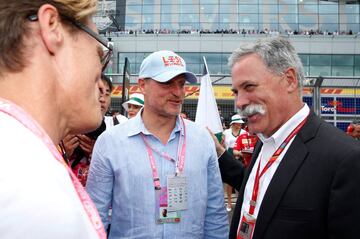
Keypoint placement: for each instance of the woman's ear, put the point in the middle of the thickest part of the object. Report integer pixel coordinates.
(51, 29)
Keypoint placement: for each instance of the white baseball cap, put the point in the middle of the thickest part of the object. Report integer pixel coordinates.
(236, 119)
(135, 99)
(163, 66)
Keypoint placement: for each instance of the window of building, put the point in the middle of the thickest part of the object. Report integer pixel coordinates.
(342, 71)
(268, 9)
(320, 70)
(314, 65)
(248, 8)
(320, 60)
(288, 9)
(342, 60)
(328, 8)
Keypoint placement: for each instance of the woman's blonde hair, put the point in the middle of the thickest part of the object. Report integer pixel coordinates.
(14, 25)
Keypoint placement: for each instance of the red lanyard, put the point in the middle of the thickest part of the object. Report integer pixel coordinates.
(181, 157)
(268, 165)
(21, 116)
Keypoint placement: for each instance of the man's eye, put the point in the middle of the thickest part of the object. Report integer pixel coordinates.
(249, 87)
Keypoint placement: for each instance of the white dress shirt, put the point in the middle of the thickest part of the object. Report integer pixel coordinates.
(270, 145)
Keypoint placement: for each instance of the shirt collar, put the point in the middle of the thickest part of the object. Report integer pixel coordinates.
(280, 135)
(137, 126)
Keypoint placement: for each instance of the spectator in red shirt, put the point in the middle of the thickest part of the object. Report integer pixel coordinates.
(244, 146)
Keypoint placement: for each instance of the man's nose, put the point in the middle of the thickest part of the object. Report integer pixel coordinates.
(241, 101)
(101, 97)
(178, 89)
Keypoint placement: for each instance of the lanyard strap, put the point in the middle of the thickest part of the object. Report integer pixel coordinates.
(179, 163)
(269, 163)
(20, 115)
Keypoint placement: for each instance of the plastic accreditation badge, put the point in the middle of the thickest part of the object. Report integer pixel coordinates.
(246, 227)
(177, 193)
(162, 213)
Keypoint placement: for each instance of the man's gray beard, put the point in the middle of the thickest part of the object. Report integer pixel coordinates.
(251, 110)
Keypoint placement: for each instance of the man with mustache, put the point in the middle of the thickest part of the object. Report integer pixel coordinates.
(302, 181)
(157, 161)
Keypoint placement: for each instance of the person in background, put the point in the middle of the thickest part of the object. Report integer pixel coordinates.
(302, 181)
(46, 92)
(228, 140)
(184, 114)
(155, 161)
(354, 129)
(113, 120)
(230, 135)
(134, 104)
(244, 146)
(222, 119)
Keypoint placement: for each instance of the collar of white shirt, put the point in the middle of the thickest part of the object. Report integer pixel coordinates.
(280, 135)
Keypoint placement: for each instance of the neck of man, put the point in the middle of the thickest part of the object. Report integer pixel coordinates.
(296, 106)
(159, 125)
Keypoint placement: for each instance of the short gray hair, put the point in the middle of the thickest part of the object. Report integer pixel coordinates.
(277, 53)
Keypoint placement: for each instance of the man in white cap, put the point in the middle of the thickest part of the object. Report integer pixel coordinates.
(134, 104)
(159, 161)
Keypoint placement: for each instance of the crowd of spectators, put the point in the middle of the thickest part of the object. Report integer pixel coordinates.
(233, 31)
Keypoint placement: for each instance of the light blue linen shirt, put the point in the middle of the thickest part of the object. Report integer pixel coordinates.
(120, 176)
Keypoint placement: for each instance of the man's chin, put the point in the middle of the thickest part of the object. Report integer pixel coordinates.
(253, 124)
(172, 113)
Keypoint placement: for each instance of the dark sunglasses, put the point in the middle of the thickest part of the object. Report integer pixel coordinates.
(107, 49)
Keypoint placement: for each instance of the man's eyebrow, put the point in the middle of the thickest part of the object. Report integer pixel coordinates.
(243, 84)
(246, 82)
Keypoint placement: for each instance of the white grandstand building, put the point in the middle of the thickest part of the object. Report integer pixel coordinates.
(326, 35)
